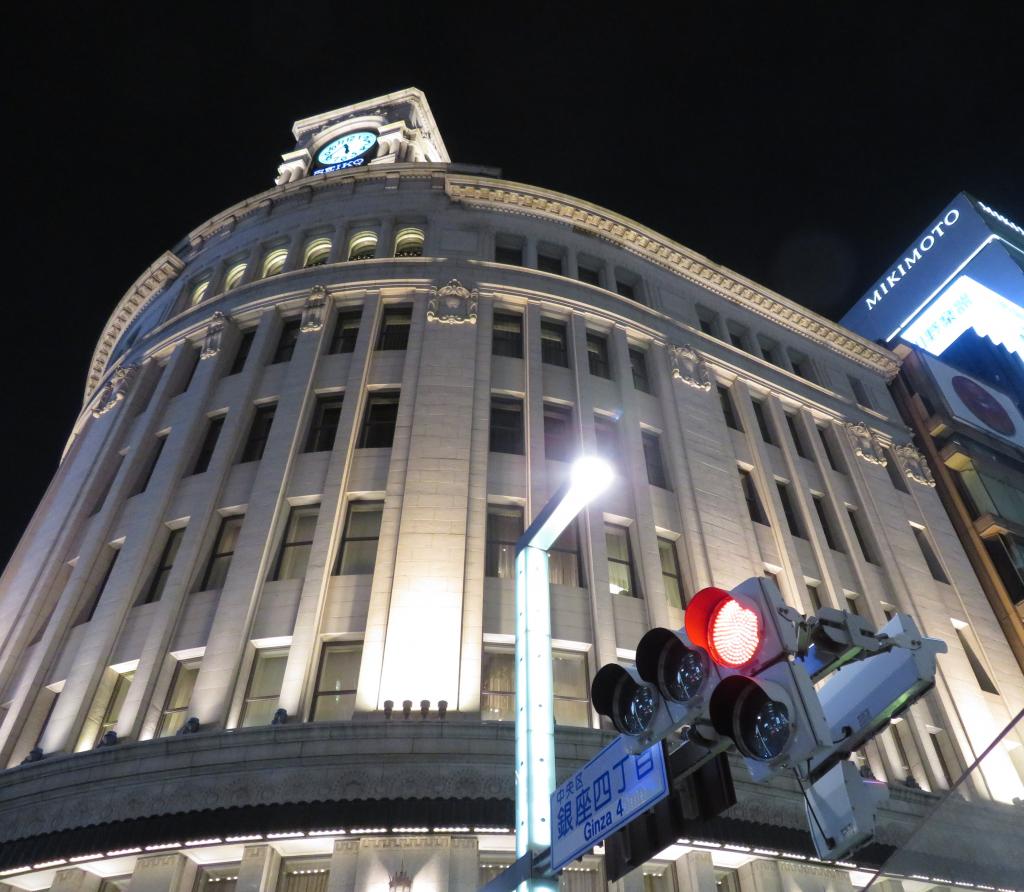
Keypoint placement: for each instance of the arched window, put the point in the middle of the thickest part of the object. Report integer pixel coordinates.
(198, 292)
(317, 252)
(274, 262)
(409, 243)
(363, 246)
(234, 276)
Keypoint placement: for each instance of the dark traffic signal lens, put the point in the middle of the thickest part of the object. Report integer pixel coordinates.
(762, 725)
(682, 672)
(636, 707)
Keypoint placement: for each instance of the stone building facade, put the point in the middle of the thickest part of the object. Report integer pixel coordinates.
(258, 634)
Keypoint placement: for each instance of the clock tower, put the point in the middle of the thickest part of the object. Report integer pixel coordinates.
(394, 129)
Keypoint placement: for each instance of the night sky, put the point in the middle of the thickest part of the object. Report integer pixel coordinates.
(803, 151)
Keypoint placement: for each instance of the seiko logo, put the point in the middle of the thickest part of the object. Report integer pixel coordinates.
(924, 246)
(355, 162)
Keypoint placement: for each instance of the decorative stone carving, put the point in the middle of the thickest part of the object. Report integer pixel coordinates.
(214, 332)
(453, 304)
(689, 367)
(313, 311)
(114, 390)
(865, 445)
(914, 464)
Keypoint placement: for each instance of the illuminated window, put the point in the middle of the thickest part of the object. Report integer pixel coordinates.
(296, 543)
(242, 353)
(115, 700)
(335, 697)
(363, 246)
(175, 711)
(638, 365)
(259, 432)
(346, 332)
(394, 328)
(154, 591)
(198, 292)
(565, 561)
(108, 559)
(379, 421)
(286, 341)
(234, 276)
(323, 427)
(671, 576)
(621, 572)
(570, 686)
(317, 252)
(264, 689)
(597, 355)
(754, 508)
(504, 527)
(274, 262)
(358, 552)
(656, 475)
(728, 411)
(506, 433)
(558, 433)
(553, 346)
(223, 551)
(507, 336)
(409, 243)
(213, 429)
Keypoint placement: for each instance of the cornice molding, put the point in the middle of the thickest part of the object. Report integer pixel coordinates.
(515, 198)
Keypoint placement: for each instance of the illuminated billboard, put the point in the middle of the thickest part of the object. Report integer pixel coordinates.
(966, 271)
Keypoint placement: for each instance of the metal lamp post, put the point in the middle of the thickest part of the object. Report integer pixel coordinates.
(535, 728)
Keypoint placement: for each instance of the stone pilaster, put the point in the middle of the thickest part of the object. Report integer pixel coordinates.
(258, 869)
(162, 873)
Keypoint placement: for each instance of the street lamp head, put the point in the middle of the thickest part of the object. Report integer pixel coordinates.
(590, 477)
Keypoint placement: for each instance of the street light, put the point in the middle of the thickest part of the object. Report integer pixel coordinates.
(535, 727)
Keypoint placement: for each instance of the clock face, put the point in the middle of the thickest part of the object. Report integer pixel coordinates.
(347, 147)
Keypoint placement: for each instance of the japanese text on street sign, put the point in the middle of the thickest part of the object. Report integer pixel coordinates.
(604, 795)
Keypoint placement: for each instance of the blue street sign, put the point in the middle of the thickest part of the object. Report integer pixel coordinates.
(603, 796)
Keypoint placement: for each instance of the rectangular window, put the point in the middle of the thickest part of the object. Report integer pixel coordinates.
(823, 519)
(175, 712)
(789, 510)
(507, 425)
(588, 274)
(264, 689)
(737, 336)
(101, 497)
(565, 562)
(860, 392)
(621, 573)
(549, 263)
(800, 364)
(929, 555)
(286, 341)
(335, 697)
(972, 650)
(852, 604)
(813, 597)
(794, 432)
(892, 468)
(154, 591)
(558, 433)
(394, 329)
(939, 744)
(504, 527)
(828, 446)
(607, 436)
(223, 551)
(507, 336)
(112, 712)
(597, 355)
(570, 687)
(146, 473)
(762, 421)
(296, 544)
(259, 432)
(728, 411)
(89, 606)
(769, 350)
(379, 421)
(670, 575)
(358, 552)
(508, 253)
(242, 353)
(754, 508)
(213, 429)
(626, 289)
(346, 332)
(638, 365)
(324, 426)
(192, 363)
(863, 539)
(708, 321)
(656, 475)
(553, 343)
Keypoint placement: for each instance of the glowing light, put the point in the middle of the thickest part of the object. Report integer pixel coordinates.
(734, 633)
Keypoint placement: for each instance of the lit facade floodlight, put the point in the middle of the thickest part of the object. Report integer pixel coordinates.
(535, 721)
